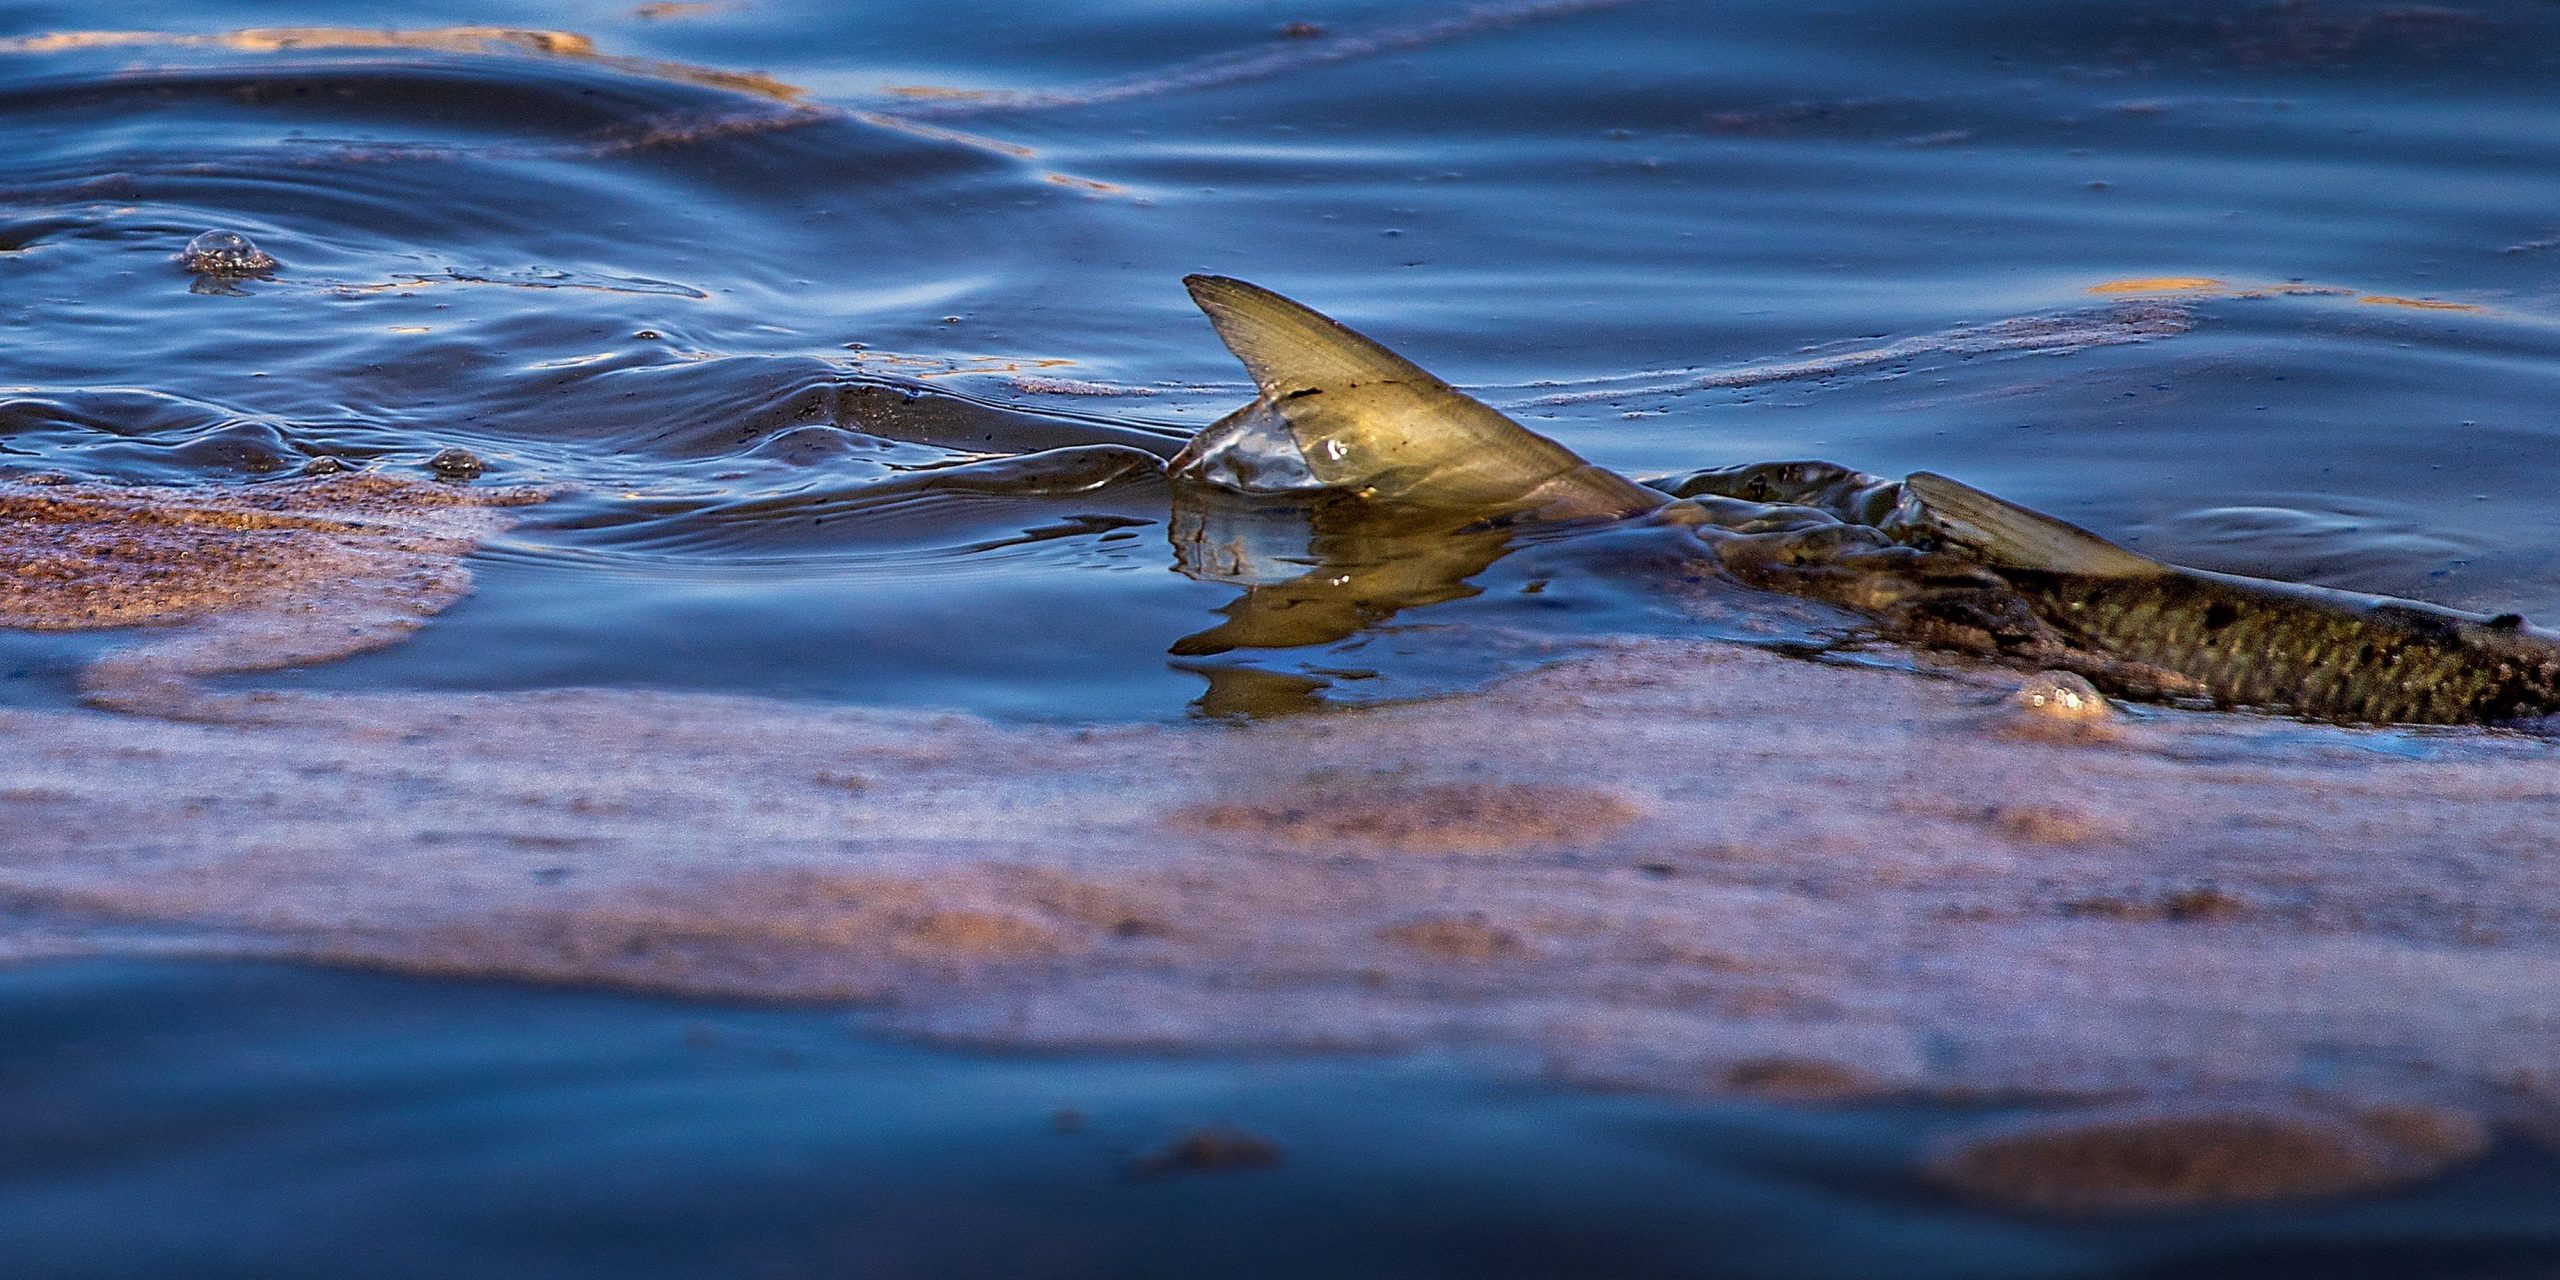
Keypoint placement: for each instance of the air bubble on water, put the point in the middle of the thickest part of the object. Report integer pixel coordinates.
(224, 255)
(2061, 695)
(456, 464)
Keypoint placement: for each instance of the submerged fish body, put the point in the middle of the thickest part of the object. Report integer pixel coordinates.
(2311, 651)
(2254, 643)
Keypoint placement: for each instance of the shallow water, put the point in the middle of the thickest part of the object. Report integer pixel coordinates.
(799, 301)
(701, 265)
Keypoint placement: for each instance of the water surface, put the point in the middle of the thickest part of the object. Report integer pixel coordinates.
(769, 285)
(736, 271)
(253, 1121)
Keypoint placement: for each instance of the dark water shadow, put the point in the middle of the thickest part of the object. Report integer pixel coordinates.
(245, 1120)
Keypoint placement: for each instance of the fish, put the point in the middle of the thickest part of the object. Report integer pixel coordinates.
(2310, 651)
(1369, 423)
(1408, 487)
(1391, 461)
(1369, 487)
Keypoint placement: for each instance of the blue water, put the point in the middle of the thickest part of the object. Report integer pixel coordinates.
(814, 212)
(247, 1121)
(799, 254)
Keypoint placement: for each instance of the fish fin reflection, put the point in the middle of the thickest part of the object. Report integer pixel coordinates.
(1313, 575)
(1252, 693)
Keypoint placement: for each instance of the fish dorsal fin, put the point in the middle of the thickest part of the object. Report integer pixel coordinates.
(2005, 533)
(1289, 346)
(1369, 421)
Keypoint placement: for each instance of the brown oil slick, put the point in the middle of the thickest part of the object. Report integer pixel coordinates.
(1664, 867)
(676, 10)
(2206, 286)
(235, 579)
(469, 39)
(1389, 814)
(2417, 304)
(462, 39)
(2161, 284)
(2170, 1158)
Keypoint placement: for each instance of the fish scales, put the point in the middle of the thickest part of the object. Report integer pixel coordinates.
(2258, 645)
(2312, 651)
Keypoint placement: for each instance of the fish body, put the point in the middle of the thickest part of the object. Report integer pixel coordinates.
(1342, 419)
(2310, 651)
